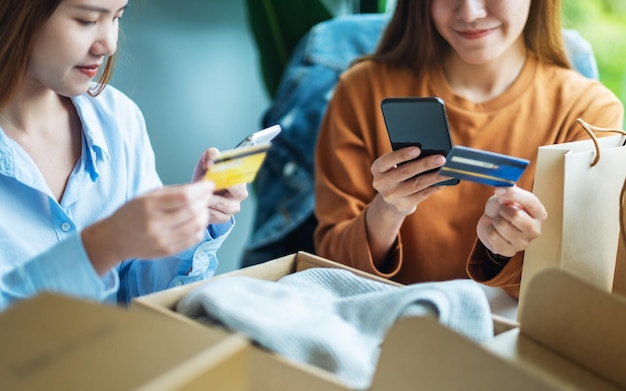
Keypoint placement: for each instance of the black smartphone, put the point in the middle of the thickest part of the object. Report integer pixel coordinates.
(418, 121)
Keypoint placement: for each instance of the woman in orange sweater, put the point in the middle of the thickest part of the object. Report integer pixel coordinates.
(501, 69)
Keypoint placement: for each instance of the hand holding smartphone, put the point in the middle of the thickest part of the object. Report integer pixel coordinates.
(421, 122)
(240, 164)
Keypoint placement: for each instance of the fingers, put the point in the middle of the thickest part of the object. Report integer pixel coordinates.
(513, 218)
(209, 156)
(523, 199)
(401, 181)
(224, 203)
(227, 203)
(405, 164)
(171, 198)
(205, 161)
(393, 159)
(177, 212)
(164, 221)
(160, 223)
(186, 231)
(238, 192)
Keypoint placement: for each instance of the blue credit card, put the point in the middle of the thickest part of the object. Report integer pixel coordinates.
(481, 166)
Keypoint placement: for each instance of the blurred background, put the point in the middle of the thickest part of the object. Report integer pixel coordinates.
(603, 24)
(193, 67)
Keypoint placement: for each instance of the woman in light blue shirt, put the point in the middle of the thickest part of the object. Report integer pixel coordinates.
(82, 209)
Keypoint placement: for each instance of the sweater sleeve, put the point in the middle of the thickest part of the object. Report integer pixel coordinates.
(482, 270)
(597, 106)
(343, 183)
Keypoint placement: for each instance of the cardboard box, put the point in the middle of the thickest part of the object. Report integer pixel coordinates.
(165, 301)
(573, 340)
(571, 334)
(54, 342)
(416, 351)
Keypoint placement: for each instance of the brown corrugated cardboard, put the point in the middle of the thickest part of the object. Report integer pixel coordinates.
(273, 270)
(571, 334)
(53, 342)
(451, 365)
(419, 353)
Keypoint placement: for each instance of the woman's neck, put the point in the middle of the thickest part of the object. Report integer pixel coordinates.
(32, 112)
(47, 127)
(483, 82)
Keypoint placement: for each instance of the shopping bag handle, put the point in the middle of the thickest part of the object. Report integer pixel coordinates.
(590, 129)
(622, 223)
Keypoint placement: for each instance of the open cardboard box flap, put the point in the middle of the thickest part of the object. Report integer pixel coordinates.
(415, 351)
(420, 353)
(571, 333)
(68, 344)
(54, 342)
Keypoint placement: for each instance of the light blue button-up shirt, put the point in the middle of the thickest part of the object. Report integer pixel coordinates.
(40, 243)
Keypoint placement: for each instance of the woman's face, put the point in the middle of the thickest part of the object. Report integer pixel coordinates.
(480, 31)
(73, 44)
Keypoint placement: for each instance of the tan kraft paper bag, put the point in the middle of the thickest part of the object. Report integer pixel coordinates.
(579, 183)
(619, 280)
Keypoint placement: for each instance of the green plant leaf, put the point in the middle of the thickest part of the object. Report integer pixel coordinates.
(277, 26)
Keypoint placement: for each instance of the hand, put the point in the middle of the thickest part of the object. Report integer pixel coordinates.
(512, 219)
(226, 202)
(399, 193)
(159, 223)
(398, 184)
(205, 161)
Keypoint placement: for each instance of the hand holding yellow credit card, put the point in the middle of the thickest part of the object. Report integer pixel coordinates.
(237, 165)
(240, 164)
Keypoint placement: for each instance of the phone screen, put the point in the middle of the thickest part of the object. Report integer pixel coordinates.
(418, 121)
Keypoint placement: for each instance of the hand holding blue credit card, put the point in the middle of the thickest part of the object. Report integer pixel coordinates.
(484, 167)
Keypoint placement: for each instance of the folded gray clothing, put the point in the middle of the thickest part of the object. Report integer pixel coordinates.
(332, 318)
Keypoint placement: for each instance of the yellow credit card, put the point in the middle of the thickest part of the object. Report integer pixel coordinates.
(238, 165)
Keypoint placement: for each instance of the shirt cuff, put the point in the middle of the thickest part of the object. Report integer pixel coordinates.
(204, 261)
(217, 230)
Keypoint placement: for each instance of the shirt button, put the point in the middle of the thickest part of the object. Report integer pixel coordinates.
(178, 283)
(289, 169)
(65, 226)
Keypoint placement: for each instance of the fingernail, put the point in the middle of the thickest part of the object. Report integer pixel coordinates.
(500, 190)
(439, 160)
(413, 151)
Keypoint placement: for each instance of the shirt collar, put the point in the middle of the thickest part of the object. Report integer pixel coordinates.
(92, 128)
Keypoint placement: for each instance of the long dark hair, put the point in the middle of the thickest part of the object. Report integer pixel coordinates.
(412, 40)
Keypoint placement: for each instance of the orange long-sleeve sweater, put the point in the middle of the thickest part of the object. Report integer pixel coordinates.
(438, 241)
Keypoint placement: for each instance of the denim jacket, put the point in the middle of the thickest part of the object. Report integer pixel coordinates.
(284, 187)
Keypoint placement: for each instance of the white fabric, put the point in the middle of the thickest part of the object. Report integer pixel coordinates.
(332, 318)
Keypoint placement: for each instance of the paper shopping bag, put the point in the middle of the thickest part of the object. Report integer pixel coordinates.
(579, 183)
(619, 280)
